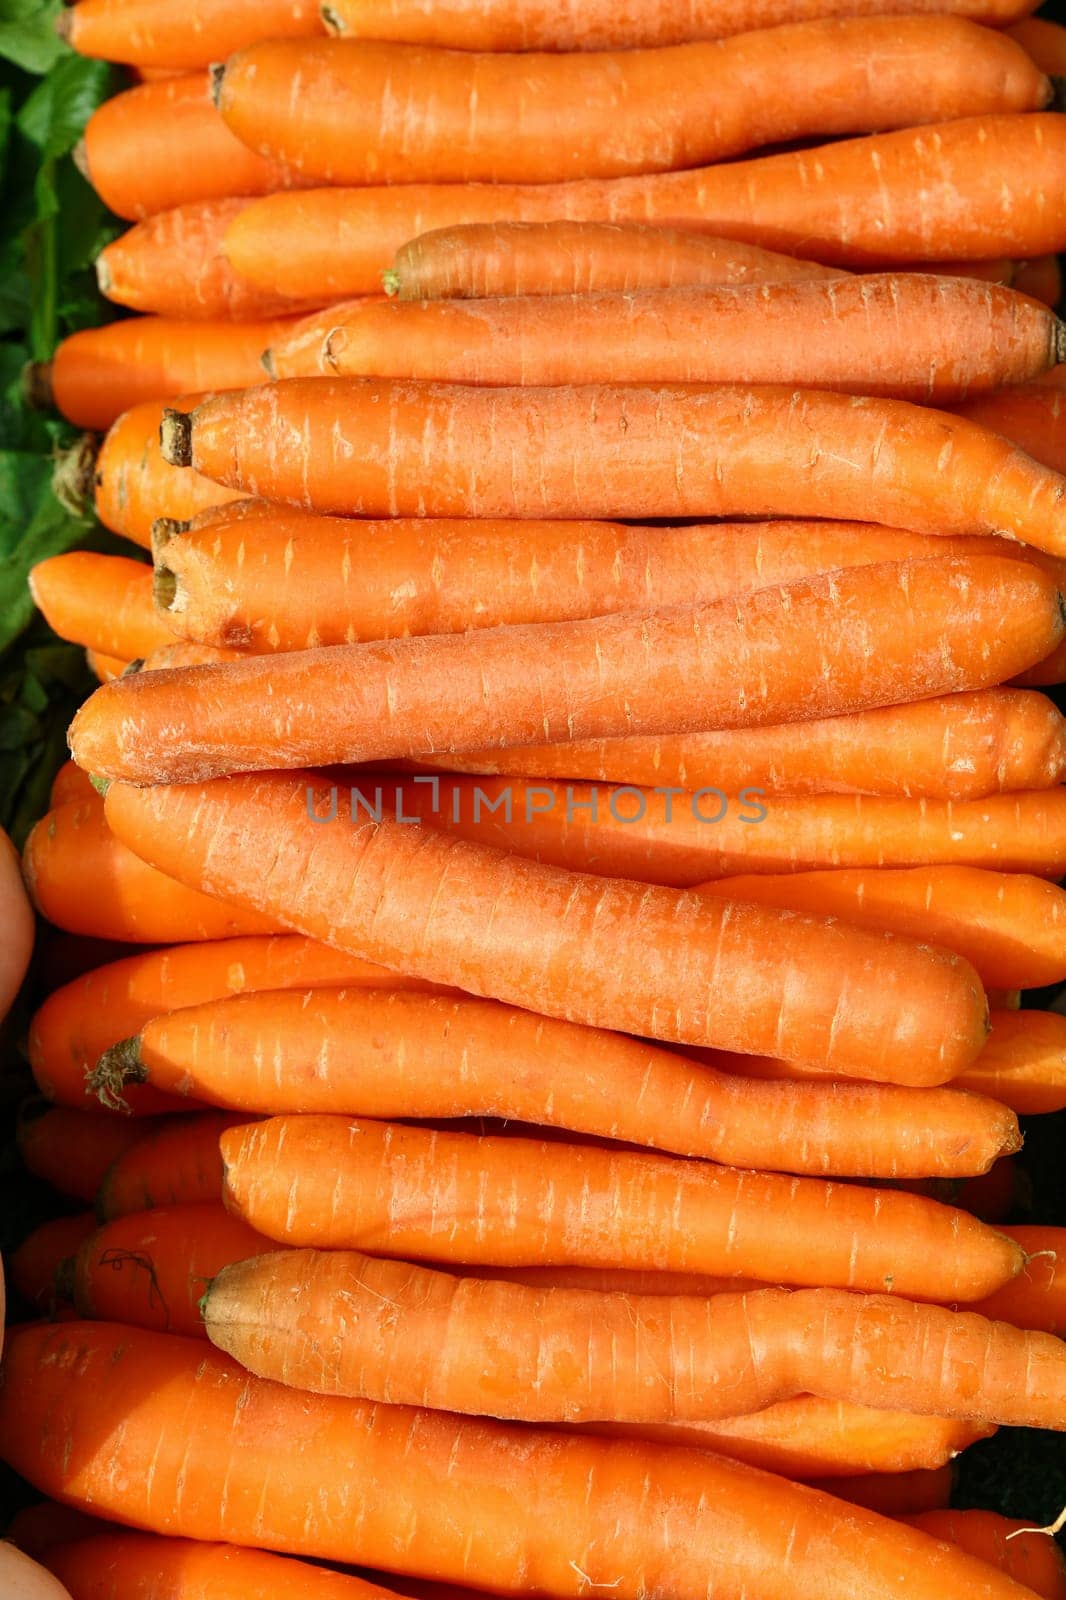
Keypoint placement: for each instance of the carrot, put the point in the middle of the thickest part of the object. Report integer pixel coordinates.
(848, 641)
(285, 579)
(173, 264)
(334, 1183)
(895, 1494)
(149, 1269)
(1037, 1297)
(102, 602)
(1042, 279)
(491, 25)
(78, 1022)
(842, 333)
(1043, 40)
(163, 144)
(148, 33)
(1011, 927)
(976, 188)
(378, 448)
(376, 112)
(143, 1566)
(69, 783)
(991, 1196)
(71, 1150)
(664, 835)
(512, 1502)
(402, 1055)
(83, 879)
(1012, 1546)
(1032, 416)
(1023, 1064)
(176, 1164)
(32, 1269)
(104, 668)
(958, 747)
(1050, 671)
(183, 654)
(563, 945)
(39, 1528)
(133, 485)
(98, 373)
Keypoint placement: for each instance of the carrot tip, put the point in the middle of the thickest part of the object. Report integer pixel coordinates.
(116, 1068)
(37, 385)
(131, 667)
(103, 274)
(215, 74)
(333, 23)
(164, 588)
(175, 438)
(390, 279)
(267, 362)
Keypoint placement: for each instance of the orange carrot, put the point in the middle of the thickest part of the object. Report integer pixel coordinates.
(104, 668)
(1011, 927)
(98, 373)
(71, 1150)
(379, 448)
(173, 264)
(1042, 279)
(334, 1183)
(176, 1164)
(1013, 1547)
(958, 747)
(32, 1269)
(1043, 40)
(43, 1526)
(78, 1022)
(69, 783)
(163, 144)
(895, 1494)
(373, 112)
(561, 944)
(87, 1412)
(1023, 1064)
(396, 1055)
(976, 188)
(1051, 670)
(149, 1269)
(85, 880)
(1032, 416)
(148, 33)
(1037, 1297)
(134, 485)
(102, 602)
(492, 25)
(906, 335)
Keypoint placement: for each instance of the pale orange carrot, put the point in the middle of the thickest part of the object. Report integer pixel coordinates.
(1037, 1297)
(149, 34)
(102, 602)
(133, 485)
(1032, 416)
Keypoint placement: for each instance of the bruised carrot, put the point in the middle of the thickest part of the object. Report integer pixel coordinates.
(32, 1268)
(377, 112)
(402, 1055)
(133, 485)
(371, 447)
(102, 602)
(1023, 1064)
(1037, 1297)
(69, 783)
(104, 668)
(149, 33)
(910, 336)
(1043, 41)
(511, 1502)
(71, 1150)
(176, 1164)
(83, 879)
(78, 1022)
(976, 188)
(1013, 1547)
(957, 747)
(338, 1184)
(895, 1494)
(560, 944)
(1032, 416)
(162, 144)
(173, 264)
(98, 373)
(149, 1269)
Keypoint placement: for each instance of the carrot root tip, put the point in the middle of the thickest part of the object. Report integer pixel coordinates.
(103, 275)
(131, 667)
(164, 588)
(115, 1069)
(390, 279)
(267, 363)
(175, 438)
(37, 385)
(333, 23)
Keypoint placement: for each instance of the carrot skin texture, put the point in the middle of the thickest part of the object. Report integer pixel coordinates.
(846, 641)
(926, 194)
(366, 447)
(399, 1055)
(1023, 1064)
(373, 112)
(176, 1164)
(102, 602)
(565, 958)
(133, 485)
(1032, 416)
(511, 1493)
(1015, 1548)
(842, 334)
(1037, 1297)
(136, 1565)
(72, 1151)
(150, 34)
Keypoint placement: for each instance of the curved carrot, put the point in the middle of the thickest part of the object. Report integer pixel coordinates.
(1023, 1064)
(335, 1183)
(83, 879)
(162, 144)
(512, 1501)
(134, 485)
(173, 264)
(977, 188)
(71, 1150)
(371, 447)
(1037, 1297)
(78, 1022)
(397, 1055)
(376, 112)
(32, 1269)
(149, 1269)
(1013, 1547)
(149, 33)
(906, 335)
(177, 1163)
(102, 602)
(957, 747)
(1043, 40)
(560, 944)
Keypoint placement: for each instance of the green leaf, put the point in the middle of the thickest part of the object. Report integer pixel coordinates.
(54, 117)
(28, 33)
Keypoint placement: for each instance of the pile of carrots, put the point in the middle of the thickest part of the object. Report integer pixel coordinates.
(578, 768)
